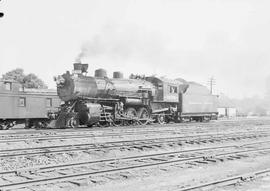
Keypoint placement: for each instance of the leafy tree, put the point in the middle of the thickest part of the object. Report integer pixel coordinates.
(16, 75)
(32, 81)
(29, 81)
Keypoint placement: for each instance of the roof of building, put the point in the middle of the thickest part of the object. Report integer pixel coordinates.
(32, 90)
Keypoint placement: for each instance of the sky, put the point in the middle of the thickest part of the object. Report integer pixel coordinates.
(191, 39)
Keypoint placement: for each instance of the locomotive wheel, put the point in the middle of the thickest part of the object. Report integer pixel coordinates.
(118, 123)
(161, 118)
(73, 122)
(143, 115)
(38, 125)
(131, 113)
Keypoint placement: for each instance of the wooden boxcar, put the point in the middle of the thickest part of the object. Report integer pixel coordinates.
(21, 105)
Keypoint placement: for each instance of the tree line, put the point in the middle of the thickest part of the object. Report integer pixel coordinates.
(27, 80)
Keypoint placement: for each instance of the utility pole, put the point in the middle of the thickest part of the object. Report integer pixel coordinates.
(211, 83)
(1, 13)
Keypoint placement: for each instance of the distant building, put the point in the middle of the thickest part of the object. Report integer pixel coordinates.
(226, 108)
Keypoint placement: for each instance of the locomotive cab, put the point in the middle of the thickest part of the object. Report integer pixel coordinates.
(165, 102)
(166, 90)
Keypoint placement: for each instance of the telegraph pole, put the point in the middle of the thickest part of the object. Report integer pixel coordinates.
(1, 13)
(211, 83)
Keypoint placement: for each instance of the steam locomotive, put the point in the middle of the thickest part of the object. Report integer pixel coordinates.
(104, 101)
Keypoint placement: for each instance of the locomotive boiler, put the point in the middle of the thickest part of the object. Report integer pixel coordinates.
(99, 100)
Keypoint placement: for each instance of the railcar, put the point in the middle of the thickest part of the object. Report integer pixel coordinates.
(30, 106)
(100, 100)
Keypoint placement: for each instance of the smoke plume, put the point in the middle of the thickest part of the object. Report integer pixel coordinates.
(118, 42)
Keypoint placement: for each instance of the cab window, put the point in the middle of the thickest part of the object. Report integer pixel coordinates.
(8, 86)
(160, 86)
(172, 89)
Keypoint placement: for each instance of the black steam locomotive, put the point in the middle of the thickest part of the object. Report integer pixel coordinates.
(104, 101)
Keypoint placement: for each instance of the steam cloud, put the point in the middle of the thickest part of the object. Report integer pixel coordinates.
(122, 43)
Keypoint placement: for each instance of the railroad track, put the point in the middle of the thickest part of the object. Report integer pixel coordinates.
(157, 127)
(139, 144)
(228, 181)
(111, 132)
(79, 134)
(183, 128)
(25, 178)
(117, 134)
(86, 134)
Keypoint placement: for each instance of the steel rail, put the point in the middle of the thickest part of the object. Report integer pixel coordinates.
(228, 181)
(72, 136)
(84, 130)
(118, 159)
(116, 144)
(95, 129)
(158, 126)
(64, 137)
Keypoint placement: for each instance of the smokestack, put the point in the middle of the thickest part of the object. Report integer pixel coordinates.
(77, 66)
(80, 68)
